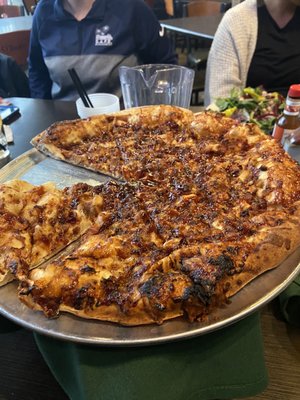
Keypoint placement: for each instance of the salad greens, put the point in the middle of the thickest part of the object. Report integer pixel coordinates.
(252, 105)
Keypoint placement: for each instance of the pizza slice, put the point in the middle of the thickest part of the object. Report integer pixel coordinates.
(128, 278)
(100, 277)
(95, 143)
(38, 221)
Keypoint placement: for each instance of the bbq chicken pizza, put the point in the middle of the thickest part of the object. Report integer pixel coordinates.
(198, 205)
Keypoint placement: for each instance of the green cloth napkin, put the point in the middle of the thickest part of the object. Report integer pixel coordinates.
(225, 364)
(289, 302)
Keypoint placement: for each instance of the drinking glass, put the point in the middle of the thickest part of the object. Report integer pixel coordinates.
(104, 103)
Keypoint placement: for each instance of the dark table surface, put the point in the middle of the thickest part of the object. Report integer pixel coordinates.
(201, 26)
(180, 4)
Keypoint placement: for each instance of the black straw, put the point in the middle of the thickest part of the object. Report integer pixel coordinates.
(80, 88)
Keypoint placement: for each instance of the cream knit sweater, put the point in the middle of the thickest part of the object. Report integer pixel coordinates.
(231, 51)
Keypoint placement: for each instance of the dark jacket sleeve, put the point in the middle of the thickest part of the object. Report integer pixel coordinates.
(13, 80)
(152, 43)
(39, 78)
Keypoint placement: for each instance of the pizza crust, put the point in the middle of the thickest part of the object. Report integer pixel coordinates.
(48, 141)
(112, 313)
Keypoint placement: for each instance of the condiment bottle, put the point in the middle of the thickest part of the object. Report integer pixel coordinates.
(288, 124)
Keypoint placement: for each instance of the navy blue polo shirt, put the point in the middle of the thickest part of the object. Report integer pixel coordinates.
(114, 33)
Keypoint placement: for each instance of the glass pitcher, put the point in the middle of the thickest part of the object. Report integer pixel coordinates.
(156, 84)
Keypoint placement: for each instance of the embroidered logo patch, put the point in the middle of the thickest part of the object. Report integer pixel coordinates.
(102, 37)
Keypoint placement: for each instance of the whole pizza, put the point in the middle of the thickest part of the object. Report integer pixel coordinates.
(198, 205)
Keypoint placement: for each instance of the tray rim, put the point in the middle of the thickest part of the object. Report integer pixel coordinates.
(158, 340)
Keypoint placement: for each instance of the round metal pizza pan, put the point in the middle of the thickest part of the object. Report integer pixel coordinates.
(35, 168)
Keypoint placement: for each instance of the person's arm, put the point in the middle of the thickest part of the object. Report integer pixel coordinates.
(153, 46)
(20, 80)
(231, 51)
(13, 80)
(223, 65)
(39, 79)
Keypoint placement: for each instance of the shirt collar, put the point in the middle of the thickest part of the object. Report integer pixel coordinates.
(97, 11)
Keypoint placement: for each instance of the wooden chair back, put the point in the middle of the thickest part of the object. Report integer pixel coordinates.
(202, 7)
(7, 11)
(16, 45)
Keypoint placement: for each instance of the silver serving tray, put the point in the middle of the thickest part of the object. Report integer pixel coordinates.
(35, 168)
